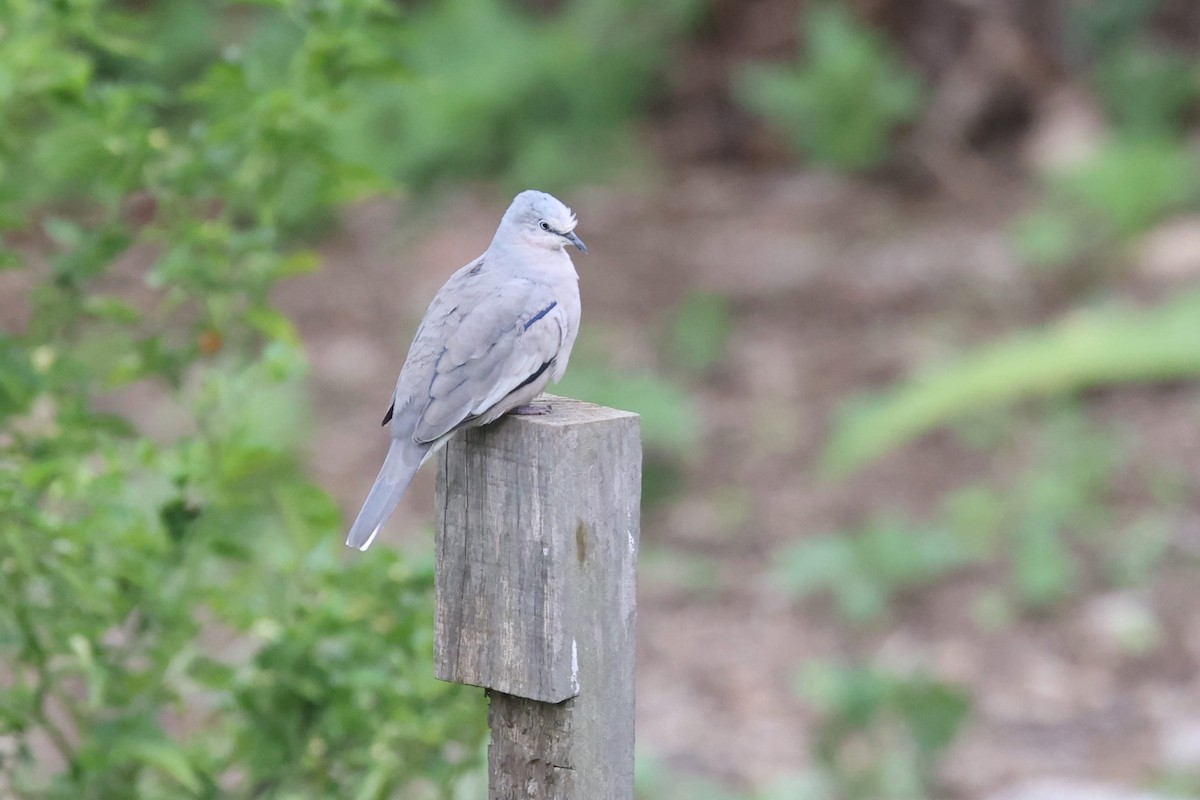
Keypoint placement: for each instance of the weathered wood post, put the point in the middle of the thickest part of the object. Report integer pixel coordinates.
(537, 539)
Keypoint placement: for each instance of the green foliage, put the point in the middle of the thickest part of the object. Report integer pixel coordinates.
(510, 94)
(1133, 553)
(881, 734)
(341, 696)
(670, 419)
(1124, 190)
(180, 620)
(1048, 237)
(700, 331)
(1105, 24)
(841, 103)
(1145, 86)
(1180, 781)
(1104, 346)
(1059, 515)
(1060, 496)
(1147, 89)
(1133, 185)
(1142, 174)
(680, 569)
(1050, 529)
(655, 781)
(1130, 185)
(866, 569)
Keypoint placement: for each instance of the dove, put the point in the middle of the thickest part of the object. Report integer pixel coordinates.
(494, 336)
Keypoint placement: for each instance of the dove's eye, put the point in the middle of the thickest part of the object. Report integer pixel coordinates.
(544, 225)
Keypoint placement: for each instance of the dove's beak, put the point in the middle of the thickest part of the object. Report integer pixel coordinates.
(575, 240)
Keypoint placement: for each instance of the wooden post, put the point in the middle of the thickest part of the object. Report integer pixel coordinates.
(537, 539)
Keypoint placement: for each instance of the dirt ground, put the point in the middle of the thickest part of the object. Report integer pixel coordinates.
(837, 285)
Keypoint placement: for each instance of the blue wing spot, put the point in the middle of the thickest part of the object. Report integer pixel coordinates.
(541, 314)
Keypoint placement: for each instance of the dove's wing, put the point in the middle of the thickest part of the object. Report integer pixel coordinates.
(489, 350)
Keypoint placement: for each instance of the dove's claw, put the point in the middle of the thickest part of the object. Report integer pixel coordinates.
(531, 410)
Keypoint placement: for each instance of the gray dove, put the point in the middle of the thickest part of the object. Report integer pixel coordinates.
(494, 336)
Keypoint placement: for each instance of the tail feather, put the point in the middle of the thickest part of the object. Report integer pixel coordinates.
(402, 462)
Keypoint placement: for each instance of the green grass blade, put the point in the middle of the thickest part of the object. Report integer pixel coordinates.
(1110, 346)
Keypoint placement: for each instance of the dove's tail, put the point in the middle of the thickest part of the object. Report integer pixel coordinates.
(402, 462)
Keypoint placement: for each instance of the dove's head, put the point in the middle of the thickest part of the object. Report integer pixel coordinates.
(541, 220)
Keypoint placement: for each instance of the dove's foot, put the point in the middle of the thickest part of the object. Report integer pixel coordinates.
(531, 410)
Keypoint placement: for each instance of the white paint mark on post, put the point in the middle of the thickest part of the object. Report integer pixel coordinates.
(575, 665)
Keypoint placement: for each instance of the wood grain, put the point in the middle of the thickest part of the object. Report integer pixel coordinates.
(537, 540)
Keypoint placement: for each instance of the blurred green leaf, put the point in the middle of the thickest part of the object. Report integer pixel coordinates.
(934, 712)
(1102, 346)
(1136, 551)
(670, 420)
(274, 324)
(1132, 183)
(700, 331)
(1145, 85)
(654, 781)
(814, 564)
(975, 515)
(1147, 88)
(881, 734)
(1048, 237)
(865, 569)
(160, 753)
(1045, 570)
(112, 309)
(841, 103)
(680, 569)
(300, 262)
(1093, 207)
(1106, 24)
(520, 96)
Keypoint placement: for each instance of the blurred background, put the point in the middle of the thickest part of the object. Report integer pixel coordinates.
(907, 293)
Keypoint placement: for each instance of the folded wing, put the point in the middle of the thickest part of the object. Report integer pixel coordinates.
(502, 344)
